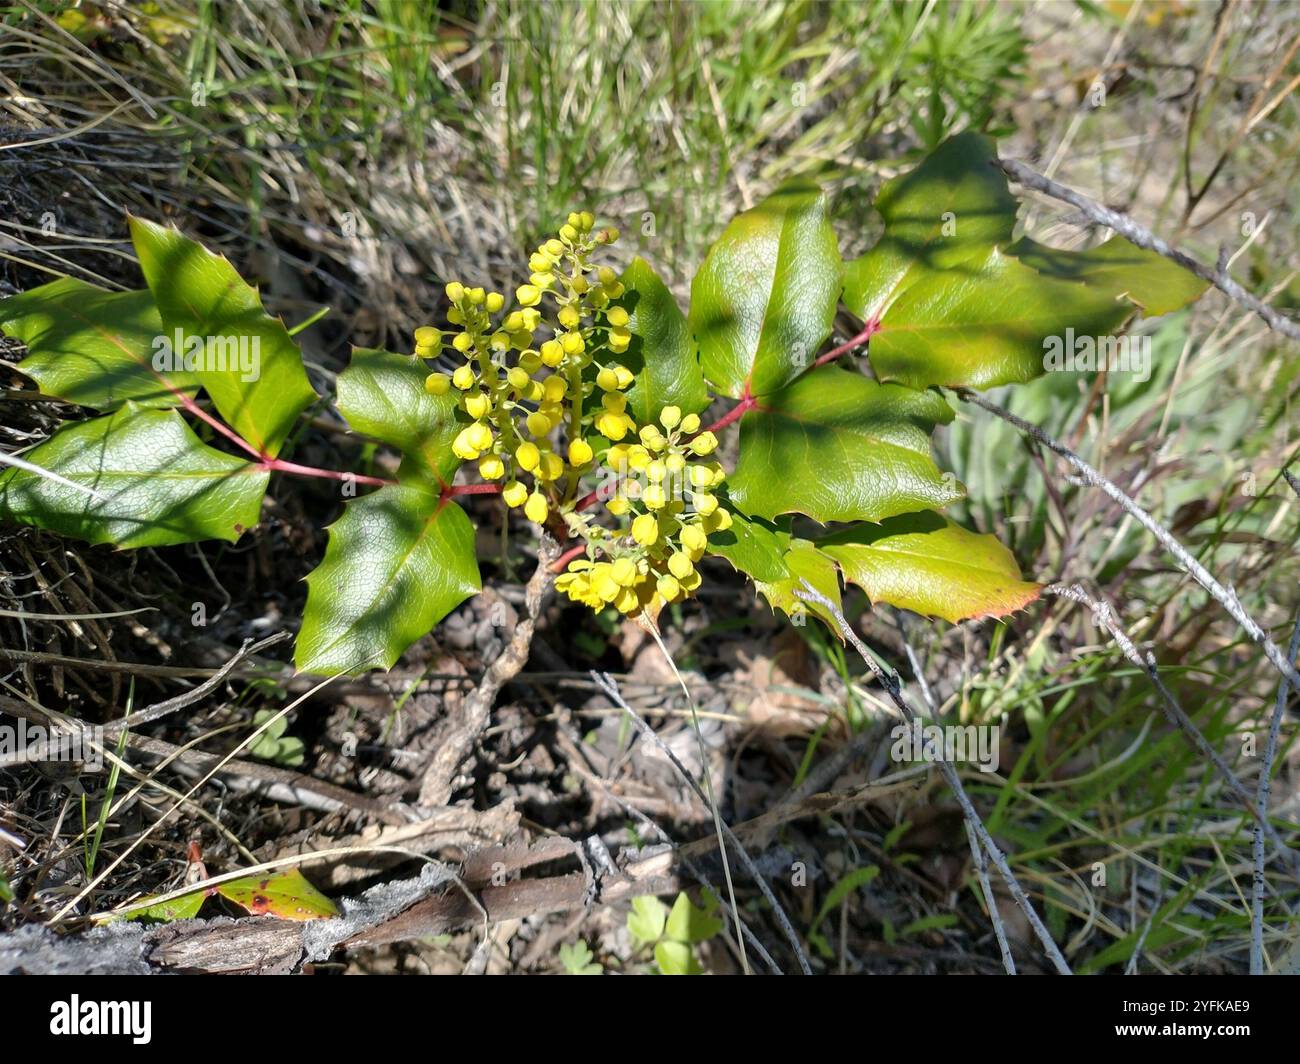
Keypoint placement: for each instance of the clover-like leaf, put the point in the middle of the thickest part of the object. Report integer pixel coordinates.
(662, 354)
(839, 447)
(955, 302)
(91, 346)
(398, 561)
(244, 358)
(764, 298)
(382, 395)
(689, 923)
(645, 923)
(154, 483)
(676, 958)
(925, 563)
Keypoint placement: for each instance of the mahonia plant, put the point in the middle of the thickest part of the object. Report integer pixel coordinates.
(581, 403)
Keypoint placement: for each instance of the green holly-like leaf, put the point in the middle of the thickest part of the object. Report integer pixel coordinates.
(1150, 281)
(286, 894)
(155, 483)
(953, 207)
(92, 347)
(754, 547)
(803, 561)
(398, 561)
(839, 447)
(186, 907)
(250, 365)
(764, 298)
(925, 563)
(662, 353)
(382, 395)
(954, 302)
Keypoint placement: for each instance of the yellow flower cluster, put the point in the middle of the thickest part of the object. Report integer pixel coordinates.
(669, 507)
(513, 410)
(518, 393)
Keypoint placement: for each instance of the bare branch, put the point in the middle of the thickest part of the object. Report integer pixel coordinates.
(1226, 597)
(1144, 238)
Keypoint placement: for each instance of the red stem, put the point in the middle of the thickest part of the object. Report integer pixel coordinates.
(562, 562)
(470, 489)
(279, 465)
(746, 404)
(217, 426)
(868, 331)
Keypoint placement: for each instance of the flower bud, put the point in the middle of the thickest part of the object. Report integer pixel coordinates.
(437, 384)
(528, 456)
(535, 509)
(514, 494)
(580, 453)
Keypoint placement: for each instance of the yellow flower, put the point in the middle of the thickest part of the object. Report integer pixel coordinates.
(528, 296)
(463, 445)
(670, 417)
(569, 316)
(530, 362)
(462, 342)
(612, 426)
(477, 405)
(705, 503)
(455, 291)
(618, 505)
(514, 493)
(645, 530)
(668, 587)
(625, 376)
(551, 466)
(518, 378)
(538, 424)
(617, 316)
(624, 572)
(554, 388)
(654, 497)
(535, 509)
(619, 340)
(693, 537)
(691, 424)
(528, 456)
(580, 453)
(552, 353)
(607, 380)
(491, 467)
(704, 443)
(494, 302)
(573, 343)
(681, 566)
(437, 384)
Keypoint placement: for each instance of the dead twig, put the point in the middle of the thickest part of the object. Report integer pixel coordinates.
(610, 688)
(461, 731)
(1226, 597)
(892, 686)
(1144, 238)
